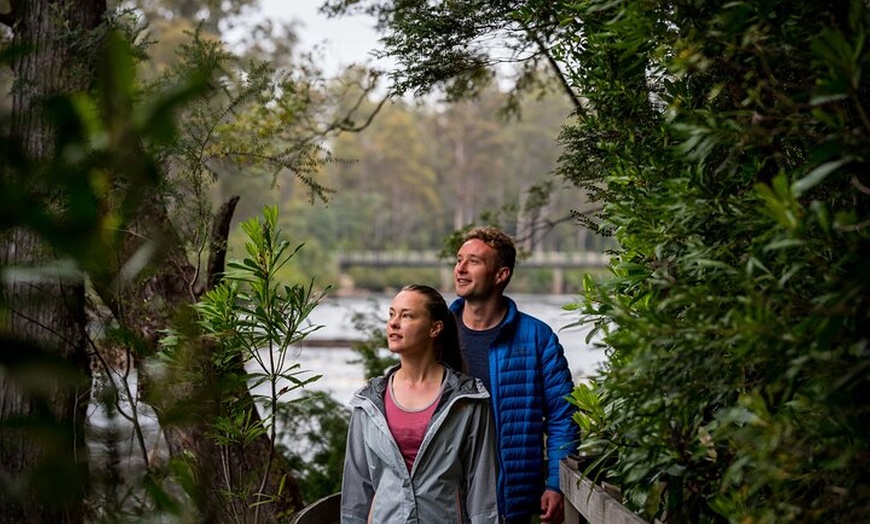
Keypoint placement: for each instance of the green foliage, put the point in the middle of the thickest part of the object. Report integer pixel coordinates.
(90, 171)
(253, 321)
(737, 309)
(75, 198)
(116, 144)
(270, 316)
(458, 48)
(255, 131)
(593, 416)
(727, 143)
(312, 436)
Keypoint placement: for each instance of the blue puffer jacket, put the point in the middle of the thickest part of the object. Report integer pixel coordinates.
(530, 379)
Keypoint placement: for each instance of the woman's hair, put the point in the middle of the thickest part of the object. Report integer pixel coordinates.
(447, 341)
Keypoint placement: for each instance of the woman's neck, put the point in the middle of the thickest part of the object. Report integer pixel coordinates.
(418, 372)
(417, 386)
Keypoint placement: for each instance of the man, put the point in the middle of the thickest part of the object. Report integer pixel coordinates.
(521, 363)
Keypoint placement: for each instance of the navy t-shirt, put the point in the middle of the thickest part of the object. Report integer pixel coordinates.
(475, 349)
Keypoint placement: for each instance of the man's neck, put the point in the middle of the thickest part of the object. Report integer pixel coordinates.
(482, 314)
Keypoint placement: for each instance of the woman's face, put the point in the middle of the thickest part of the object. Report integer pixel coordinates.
(410, 327)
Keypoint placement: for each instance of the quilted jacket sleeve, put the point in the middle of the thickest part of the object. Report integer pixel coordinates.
(562, 432)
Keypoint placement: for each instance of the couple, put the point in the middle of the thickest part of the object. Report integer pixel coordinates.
(427, 443)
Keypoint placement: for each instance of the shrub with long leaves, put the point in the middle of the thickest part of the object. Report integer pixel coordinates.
(255, 321)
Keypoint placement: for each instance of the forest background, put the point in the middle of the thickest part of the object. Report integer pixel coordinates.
(722, 150)
(421, 170)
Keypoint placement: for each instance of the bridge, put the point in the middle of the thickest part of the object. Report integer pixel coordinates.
(557, 261)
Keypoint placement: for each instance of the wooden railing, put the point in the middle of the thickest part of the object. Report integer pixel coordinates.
(587, 502)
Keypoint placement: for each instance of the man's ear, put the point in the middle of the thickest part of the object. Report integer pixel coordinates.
(502, 275)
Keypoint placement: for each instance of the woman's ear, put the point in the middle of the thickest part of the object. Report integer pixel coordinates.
(436, 328)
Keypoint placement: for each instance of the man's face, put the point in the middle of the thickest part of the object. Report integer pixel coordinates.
(476, 274)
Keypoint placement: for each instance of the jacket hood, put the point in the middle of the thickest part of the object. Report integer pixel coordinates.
(456, 384)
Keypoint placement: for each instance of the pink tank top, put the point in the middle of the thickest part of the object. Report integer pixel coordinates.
(408, 426)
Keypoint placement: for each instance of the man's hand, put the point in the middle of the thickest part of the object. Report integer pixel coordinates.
(552, 507)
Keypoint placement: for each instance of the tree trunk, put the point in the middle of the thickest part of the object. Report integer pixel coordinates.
(43, 477)
(45, 387)
(187, 401)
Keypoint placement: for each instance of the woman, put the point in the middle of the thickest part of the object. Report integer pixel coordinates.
(420, 443)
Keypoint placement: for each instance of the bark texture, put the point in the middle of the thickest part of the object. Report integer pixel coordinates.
(43, 476)
(45, 387)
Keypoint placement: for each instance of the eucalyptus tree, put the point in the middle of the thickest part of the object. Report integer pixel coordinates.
(472, 146)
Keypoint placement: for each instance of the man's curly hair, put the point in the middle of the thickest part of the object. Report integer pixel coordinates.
(505, 250)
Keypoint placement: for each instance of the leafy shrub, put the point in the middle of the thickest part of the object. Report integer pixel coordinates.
(737, 313)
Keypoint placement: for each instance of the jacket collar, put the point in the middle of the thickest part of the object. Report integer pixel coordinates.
(455, 384)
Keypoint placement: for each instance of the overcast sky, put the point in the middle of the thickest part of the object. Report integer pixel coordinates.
(344, 40)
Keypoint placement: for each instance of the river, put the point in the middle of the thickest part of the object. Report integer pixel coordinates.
(110, 438)
(341, 379)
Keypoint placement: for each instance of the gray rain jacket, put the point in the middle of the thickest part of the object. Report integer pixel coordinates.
(453, 478)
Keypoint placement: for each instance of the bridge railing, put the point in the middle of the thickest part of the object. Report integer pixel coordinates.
(538, 259)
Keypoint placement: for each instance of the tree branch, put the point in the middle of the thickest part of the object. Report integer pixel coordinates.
(341, 126)
(575, 100)
(220, 231)
(368, 121)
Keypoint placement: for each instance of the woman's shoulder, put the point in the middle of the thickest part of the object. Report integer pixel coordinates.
(373, 388)
(465, 383)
